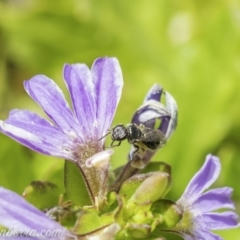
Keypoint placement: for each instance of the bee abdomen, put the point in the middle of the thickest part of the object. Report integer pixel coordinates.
(151, 144)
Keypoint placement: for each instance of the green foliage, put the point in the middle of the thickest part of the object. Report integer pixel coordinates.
(15, 162)
(90, 221)
(190, 47)
(169, 211)
(137, 215)
(75, 185)
(42, 195)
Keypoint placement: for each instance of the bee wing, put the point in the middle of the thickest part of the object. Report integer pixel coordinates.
(152, 135)
(151, 139)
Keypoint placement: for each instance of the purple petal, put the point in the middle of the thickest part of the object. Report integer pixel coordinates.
(204, 178)
(217, 221)
(50, 97)
(164, 126)
(214, 199)
(152, 109)
(37, 133)
(149, 112)
(154, 93)
(108, 81)
(201, 234)
(208, 235)
(17, 213)
(79, 83)
(172, 108)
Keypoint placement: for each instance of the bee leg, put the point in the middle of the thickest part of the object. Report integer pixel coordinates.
(136, 149)
(116, 145)
(112, 145)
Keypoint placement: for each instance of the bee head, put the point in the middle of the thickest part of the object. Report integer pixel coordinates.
(119, 133)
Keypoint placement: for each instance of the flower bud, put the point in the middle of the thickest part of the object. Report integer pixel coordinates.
(152, 188)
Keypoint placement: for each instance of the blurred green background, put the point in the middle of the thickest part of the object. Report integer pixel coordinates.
(192, 48)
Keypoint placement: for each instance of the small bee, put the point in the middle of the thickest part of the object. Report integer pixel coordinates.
(139, 136)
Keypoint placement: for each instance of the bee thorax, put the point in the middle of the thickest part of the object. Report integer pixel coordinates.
(134, 132)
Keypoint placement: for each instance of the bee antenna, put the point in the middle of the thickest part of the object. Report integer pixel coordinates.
(104, 135)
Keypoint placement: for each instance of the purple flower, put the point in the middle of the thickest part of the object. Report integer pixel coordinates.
(72, 134)
(149, 112)
(197, 206)
(152, 109)
(22, 219)
(95, 95)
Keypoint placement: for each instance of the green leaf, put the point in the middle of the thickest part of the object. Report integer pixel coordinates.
(42, 195)
(75, 185)
(89, 221)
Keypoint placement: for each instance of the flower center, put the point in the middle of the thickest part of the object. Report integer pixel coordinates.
(87, 150)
